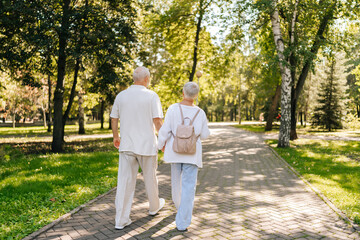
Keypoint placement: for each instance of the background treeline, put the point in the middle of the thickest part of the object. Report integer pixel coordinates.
(67, 59)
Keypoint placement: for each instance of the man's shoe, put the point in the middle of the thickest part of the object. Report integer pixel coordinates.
(122, 227)
(161, 205)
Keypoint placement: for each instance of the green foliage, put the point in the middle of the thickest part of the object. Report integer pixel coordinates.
(333, 167)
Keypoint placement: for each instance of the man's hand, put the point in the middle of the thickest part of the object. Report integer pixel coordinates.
(114, 127)
(158, 123)
(163, 149)
(116, 142)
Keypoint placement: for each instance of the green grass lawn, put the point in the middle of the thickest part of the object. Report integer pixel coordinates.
(92, 128)
(333, 167)
(36, 189)
(256, 127)
(308, 130)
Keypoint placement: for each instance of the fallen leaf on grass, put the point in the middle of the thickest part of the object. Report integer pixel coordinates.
(52, 199)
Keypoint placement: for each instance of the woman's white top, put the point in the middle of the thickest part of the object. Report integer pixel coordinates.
(168, 129)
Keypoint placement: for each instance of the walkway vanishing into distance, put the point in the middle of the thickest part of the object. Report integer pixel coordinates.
(244, 192)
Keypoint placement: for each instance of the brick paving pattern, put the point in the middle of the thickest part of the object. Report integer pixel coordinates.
(244, 192)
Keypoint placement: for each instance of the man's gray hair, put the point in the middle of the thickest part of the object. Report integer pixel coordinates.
(140, 73)
(191, 90)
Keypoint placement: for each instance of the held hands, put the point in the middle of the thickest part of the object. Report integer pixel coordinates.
(116, 142)
(163, 149)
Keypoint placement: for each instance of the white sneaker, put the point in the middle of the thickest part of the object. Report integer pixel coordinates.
(161, 205)
(122, 227)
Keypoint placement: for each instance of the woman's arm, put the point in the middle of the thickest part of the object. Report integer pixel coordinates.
(205, 132)
(165, 130)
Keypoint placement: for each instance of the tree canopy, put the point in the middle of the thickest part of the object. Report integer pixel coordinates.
(258, 58)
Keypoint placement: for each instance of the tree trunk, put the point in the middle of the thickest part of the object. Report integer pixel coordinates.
(247, 112)
(254, 110)
(301, 119)
(285, 124)
(81, 113)
(102, 108)
(13, 120)
(240, 106)
(235, 113)
(319, 39)
(293, 134)
(72, 96)
(272, 109)
(44, 116)
(49, 103)
(76, 70)
(197, 37)
(358, 110)
(57, 143)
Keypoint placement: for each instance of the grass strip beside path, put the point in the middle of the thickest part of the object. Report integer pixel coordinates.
(333, 167)
(308, 130)
(258, 128)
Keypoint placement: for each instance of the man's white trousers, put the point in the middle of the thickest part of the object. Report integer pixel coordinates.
(127, 173)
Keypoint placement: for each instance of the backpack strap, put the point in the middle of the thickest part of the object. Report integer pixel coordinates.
(192, 121)
(182, 115)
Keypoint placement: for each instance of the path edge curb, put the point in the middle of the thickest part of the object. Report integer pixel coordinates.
(66, 216)
(317, 192)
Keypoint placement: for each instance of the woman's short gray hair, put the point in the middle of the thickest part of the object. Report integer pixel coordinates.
(191, 90)
(140, 73)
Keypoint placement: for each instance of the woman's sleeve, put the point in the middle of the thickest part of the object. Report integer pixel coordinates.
(165, 130)
(205, 132)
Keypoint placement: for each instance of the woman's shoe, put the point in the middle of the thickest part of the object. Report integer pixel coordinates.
(182, 230)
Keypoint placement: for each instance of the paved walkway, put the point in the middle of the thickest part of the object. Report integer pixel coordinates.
(244, 192)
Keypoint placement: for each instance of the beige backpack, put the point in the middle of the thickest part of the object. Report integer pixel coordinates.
(185, 138)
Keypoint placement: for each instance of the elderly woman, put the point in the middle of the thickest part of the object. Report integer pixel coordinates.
(184, 167)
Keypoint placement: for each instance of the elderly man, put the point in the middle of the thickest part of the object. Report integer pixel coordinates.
(139, 110)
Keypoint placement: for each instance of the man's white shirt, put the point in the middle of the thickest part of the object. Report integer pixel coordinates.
(136, 107)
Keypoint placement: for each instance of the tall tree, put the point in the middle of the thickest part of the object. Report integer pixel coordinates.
(318, 41)
(329, 110)
(102, 29)
(203, 6)
(284, 132)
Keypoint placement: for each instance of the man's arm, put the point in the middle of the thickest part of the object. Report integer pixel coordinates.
(115, 130)
(158, 122)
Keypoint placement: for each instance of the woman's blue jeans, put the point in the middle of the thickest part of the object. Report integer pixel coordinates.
(183, 187)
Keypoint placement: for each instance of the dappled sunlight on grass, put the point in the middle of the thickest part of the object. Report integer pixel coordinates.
(333, 167)
(37, 189)
(256, 128)
(91, 128)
